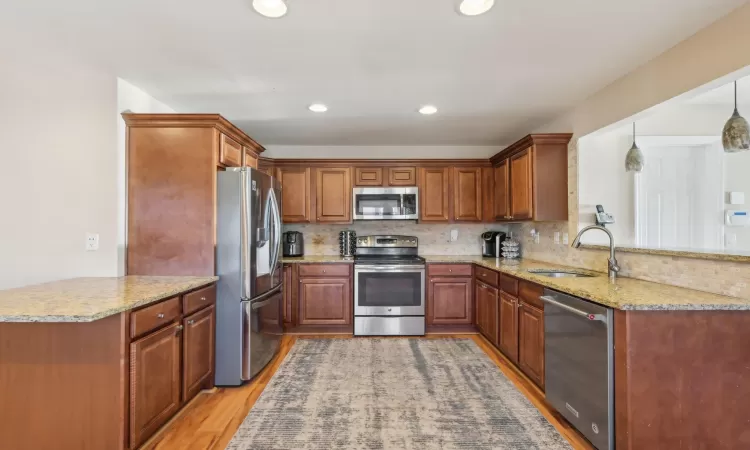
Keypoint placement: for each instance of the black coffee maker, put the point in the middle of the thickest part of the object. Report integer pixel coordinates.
(490, 244)
(293, 244)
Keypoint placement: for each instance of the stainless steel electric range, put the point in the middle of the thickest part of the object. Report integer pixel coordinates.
(389, 287)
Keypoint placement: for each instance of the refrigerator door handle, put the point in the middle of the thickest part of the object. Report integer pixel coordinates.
(245, 236)
(276, 231)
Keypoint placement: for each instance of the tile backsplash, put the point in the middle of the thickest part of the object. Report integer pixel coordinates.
(434, 239)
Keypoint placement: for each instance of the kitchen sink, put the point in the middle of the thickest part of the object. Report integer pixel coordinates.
(559, 273)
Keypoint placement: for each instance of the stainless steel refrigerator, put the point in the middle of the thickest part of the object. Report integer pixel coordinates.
(249, 291)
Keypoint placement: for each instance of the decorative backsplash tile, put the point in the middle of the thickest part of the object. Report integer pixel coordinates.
(434, 239)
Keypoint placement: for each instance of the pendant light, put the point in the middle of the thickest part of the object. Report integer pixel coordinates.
(634, 160)
(736, 133)
(272, 9)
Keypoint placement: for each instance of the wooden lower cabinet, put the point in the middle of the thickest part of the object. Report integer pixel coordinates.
(155, 382)
(198, 352)
(486, 300)
(531, 342)
(449, 301)
(325, 301)
(508, 342)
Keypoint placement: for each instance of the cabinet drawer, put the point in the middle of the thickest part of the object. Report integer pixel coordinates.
(449, 270)
(154, 316)
(193, 301)
(509, 285)
(486, 276)
(530, 292)
(324, 270)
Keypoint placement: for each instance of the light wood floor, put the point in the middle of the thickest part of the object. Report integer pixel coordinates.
(212, 418)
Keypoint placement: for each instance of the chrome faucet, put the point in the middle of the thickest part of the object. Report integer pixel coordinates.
(611, 262)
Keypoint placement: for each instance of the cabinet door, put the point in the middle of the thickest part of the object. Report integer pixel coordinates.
(449, 301)
(250, 159)
(368, 176)
(486, 296)
(230, 152)
(467, 194)
(325, 301)
(434, 194)
(154, 382)
(289, 289)
(509, 326)
(198, 352)
(502, 191)
(531, 342)
(521, 178)
(402, 176)
(479, 307)
(334, 195)
(296, 197)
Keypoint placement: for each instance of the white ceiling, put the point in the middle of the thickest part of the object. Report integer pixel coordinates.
(373, 62)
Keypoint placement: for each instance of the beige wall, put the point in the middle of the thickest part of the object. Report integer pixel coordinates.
(58, 181)
(707, 58)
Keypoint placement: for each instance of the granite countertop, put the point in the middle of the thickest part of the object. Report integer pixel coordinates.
(90, 299)
(316, 259)
(625, 294)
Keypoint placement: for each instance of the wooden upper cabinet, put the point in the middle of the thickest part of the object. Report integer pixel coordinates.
(402, 176)
(198, 351)
(368, 176)
(296, 196)
(155, 383)
(502, 190)
(334, 195)
(531, 179)
(531, 342)
(434, 194)
(449, 301)
(521, 179)
(251, 160)
(230, 152)
(467, 194)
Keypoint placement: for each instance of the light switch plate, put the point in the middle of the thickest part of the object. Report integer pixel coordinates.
(565, 238)
(557, 237)
(454, 235)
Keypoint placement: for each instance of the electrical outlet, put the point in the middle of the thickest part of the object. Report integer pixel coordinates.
(536, 238)
(454, 235)
(92, 242)
(557, 237)
(565, 238)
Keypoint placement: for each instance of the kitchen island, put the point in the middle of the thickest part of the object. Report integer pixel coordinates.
(101, 363)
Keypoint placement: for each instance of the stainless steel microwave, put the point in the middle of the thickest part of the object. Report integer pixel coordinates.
(399, 203)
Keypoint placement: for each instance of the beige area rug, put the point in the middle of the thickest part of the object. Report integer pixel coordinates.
(392, 394)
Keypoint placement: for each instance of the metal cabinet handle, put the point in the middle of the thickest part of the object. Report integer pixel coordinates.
(324, 271)
(203, 299)
(191, 321)
(178, 330)
(450, 270)
(160, 316)
(484, 274)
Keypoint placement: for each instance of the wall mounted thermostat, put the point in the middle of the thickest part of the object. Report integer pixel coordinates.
(738, 218)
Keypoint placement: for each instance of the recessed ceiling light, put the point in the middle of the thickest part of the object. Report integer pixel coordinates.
(270, 8)
(475, 7)
(318, 107)
(427, 110)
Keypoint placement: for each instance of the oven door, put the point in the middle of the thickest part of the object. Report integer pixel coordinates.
(385, 203)
(389, 290)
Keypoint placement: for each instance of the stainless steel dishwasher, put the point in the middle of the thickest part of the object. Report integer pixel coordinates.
(578, 358)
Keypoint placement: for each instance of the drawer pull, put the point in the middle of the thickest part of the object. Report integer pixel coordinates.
(484, 274)
(203, 299)
(191, 321)
(450, 270)
(324, 271)
(160, 315)
(178, 330)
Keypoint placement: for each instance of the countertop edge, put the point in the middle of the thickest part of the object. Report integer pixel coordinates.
(106, 313)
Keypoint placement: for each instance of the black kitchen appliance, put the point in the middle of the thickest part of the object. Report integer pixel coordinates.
(490, 241)
(294, 244)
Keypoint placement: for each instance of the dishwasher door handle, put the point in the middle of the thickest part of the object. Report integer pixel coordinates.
(578, 312)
